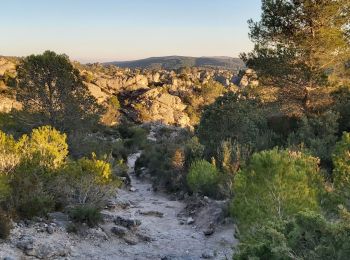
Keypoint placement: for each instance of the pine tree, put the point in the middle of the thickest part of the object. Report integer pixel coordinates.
(301, 43)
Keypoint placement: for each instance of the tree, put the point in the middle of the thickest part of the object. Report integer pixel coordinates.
(50, 86)
(304, 42)
(238, 118)
(274, 186)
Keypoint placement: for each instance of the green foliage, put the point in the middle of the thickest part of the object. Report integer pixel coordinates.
(5, 225)
(306, 236)
(304, 43)
(194, 150)
(29, 194)
(9, 78)
(165, 159)
(318, 133)
(47, 145)
(114, 102)
(37, 206)
(134, 137)
(211, 91)
(231, 156)
(49, 84)
(238, 118)
(37, 176)
(203, 177)
(341, 171)
(86, 214)
(342, 107)
(9, 153)
(87, 181)
(275, 185)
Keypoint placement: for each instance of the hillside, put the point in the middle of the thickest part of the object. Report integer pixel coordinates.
(176, 62)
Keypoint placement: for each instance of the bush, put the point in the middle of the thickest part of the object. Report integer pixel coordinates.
(5, 225)
(37, 206)
(194, 150)
(306, 236)
(203, 177)
(86, 214)
(9, 154)
(29, 194)
(342, 107)
(318, 133)
(341, 162)
(46, 145)
(238, 118)
(276, 185)
(87, 181)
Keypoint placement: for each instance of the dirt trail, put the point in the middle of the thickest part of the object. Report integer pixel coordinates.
(164, 237)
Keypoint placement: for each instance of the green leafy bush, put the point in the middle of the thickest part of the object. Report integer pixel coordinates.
(341, 162)
(86, 181)
(318, 133)
(203, 177)
(276, 185)
(306, 236)
(29, 192)
(46, 145)
(86, 214)
(235, 117)
(165, 159)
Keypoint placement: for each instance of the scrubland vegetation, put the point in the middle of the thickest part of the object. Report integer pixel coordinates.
(282, 162)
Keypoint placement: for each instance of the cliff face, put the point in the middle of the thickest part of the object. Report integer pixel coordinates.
(170, 97)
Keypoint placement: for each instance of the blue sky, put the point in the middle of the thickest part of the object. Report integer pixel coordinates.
(106, 30)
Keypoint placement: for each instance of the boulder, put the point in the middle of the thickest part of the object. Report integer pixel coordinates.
(119, 231)
(127, 222)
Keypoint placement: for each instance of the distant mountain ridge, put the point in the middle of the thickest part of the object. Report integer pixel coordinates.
(176, 62)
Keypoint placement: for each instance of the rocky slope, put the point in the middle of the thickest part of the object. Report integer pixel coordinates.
(166, 96)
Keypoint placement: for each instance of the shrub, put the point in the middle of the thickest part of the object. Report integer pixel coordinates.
(341, 171)
(29, 194)
(342, 106)
(9, 156)
(194, 150)
(36, 206)
(5, 225)
(203, 177)
(237, 117)
(165, 160)
(86, 214)
(87, 181)
(46, 145)
(276, 185)
(306, 236)
(318, 133)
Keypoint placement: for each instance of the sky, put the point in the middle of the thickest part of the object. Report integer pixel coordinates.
(116, 30)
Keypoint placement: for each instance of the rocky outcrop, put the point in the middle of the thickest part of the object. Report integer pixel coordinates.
(248, 77)
(158, 105)
(147, 95)
(7, 104)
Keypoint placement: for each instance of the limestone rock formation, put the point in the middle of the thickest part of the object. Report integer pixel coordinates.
(147, 95)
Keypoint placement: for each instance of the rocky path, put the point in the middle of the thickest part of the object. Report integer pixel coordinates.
(141, 224)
